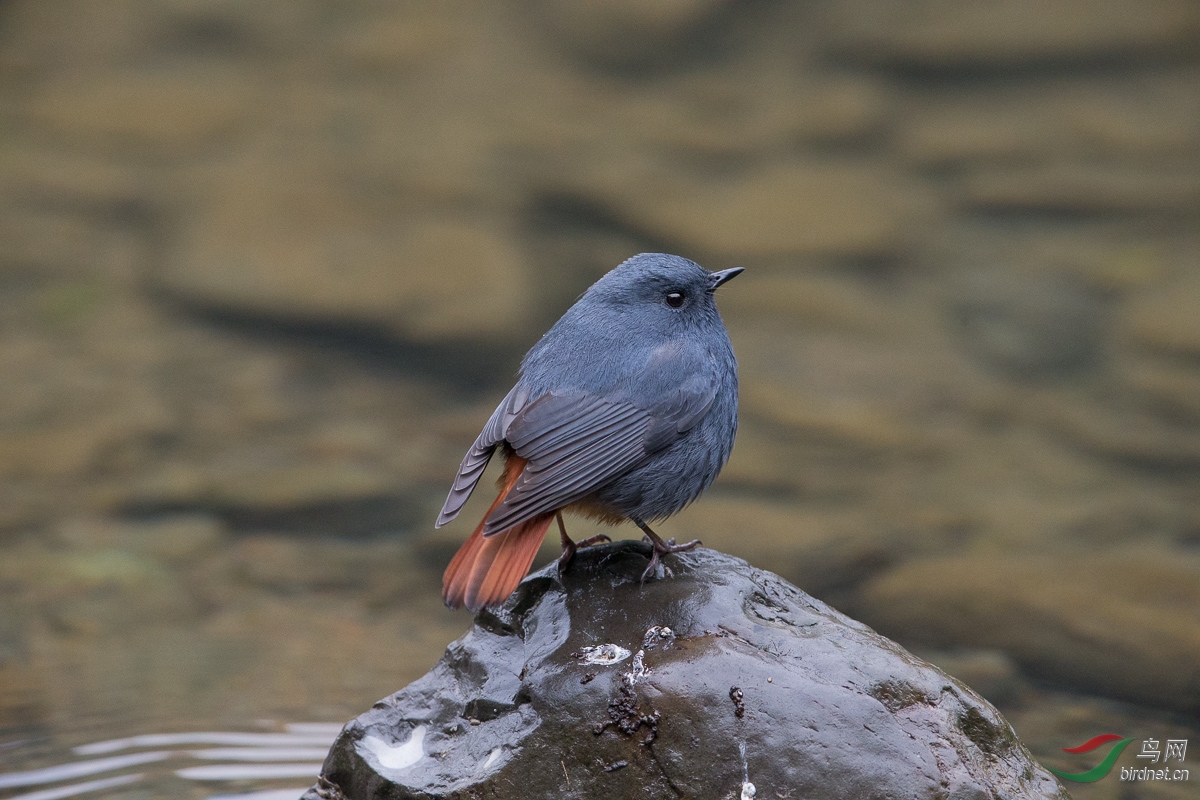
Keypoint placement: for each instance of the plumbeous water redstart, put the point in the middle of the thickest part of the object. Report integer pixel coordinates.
(626, 409)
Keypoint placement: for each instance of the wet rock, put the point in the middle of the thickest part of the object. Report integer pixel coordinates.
(1124, 623)
(756, 688)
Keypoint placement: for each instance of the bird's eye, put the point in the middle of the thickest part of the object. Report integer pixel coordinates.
(675, 299)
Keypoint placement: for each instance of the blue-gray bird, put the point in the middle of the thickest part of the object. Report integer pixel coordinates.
(626, 409)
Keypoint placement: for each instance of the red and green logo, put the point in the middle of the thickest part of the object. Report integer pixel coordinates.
(1104, 767)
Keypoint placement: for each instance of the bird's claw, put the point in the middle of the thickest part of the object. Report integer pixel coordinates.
(660, 549)
(569, 550)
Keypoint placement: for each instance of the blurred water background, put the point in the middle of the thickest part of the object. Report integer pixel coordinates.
(265, 269)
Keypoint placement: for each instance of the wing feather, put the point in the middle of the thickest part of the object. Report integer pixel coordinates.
(574, 442)
(591, 440)
(585, 473)
(477, 458)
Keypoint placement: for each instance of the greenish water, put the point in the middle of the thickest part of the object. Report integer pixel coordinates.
(266, 269)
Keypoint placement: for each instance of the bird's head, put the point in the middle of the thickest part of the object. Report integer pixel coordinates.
(670, 290)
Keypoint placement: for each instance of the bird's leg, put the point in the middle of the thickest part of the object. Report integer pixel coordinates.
(569, 547)
(661, 548)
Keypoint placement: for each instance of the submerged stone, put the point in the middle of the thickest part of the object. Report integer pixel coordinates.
(723, 681)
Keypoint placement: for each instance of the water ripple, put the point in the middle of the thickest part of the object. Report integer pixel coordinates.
(267, 794)
(239, 772)
(64, 772)
(81, 788)
(212, 737)
(298, 753)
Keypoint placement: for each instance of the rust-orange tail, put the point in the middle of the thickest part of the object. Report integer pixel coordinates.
(484, 572)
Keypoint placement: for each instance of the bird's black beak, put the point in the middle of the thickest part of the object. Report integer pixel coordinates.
(725, 276)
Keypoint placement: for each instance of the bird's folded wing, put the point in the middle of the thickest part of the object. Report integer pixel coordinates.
(477, 458)
(575, 442)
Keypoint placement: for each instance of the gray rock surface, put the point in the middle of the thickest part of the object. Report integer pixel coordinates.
(723, 681)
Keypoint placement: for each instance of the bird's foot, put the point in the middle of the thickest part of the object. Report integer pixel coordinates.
(660, 549)
(594, 540)
(569, 548)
